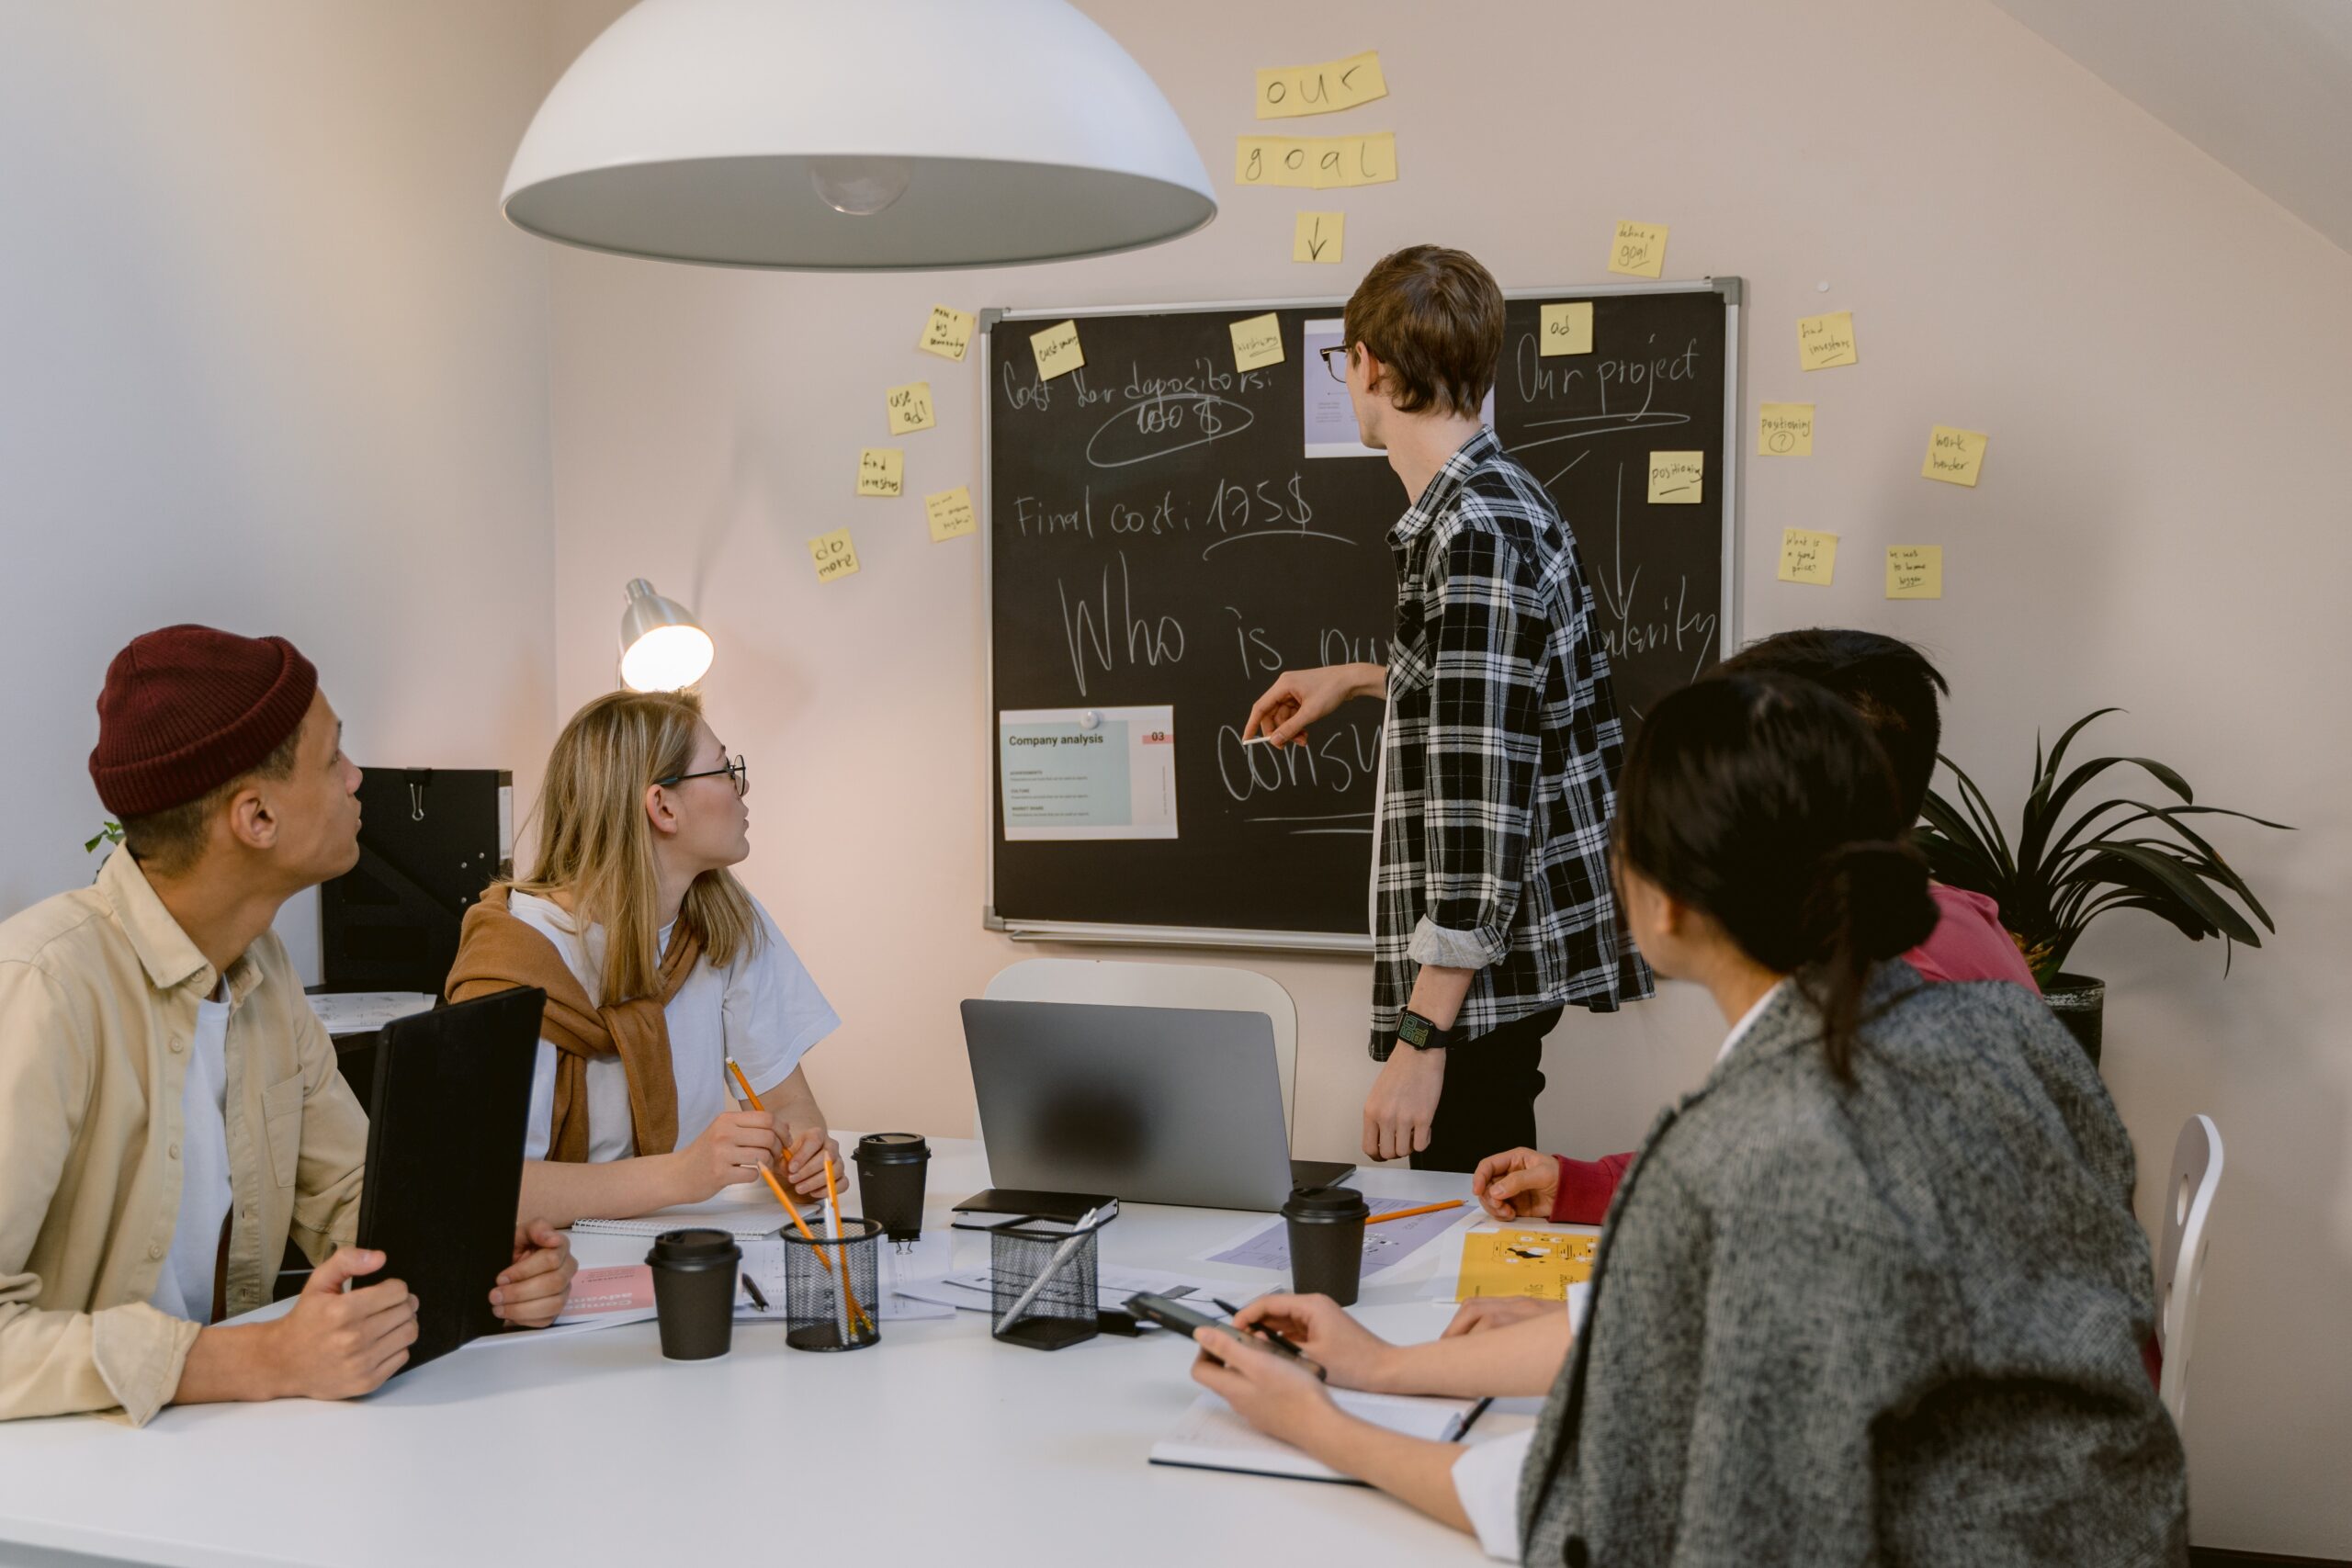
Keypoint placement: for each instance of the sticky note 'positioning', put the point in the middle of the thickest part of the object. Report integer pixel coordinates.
(950, 514)
(1826, 340)
(834, 555)
(1257, 340)
(1638, 250)
(1678, 479)
(1565, 329)
(1807, 557)
(948, 333)
(1784, 429)
(1914, 571)
(910, 407)
(881, 470)
(1955, 457)
(1058, 351)
(1318, 237)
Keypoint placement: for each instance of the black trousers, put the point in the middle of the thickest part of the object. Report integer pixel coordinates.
(1488, 1102)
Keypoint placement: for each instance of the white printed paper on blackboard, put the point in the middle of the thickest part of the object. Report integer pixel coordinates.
(1330, 417)
(1088, 773)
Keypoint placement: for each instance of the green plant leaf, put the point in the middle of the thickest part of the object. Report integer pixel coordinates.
(2215, 866)
(2166, 872)
(1982, 818)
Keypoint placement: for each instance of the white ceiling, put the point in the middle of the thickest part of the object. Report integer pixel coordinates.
(2265, 86)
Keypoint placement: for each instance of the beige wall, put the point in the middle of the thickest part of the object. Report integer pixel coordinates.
(269, 359)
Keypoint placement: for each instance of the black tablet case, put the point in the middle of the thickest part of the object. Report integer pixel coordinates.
(445, 1159)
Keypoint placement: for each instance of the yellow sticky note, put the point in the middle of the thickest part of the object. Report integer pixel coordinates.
(881, 470)
(1955, 457)
(1317, 236)
(1314, 163)
(1566, 329)
(1784, 429)
(1057, 350)
(948, 333)
(1639, 249)
(1288, 90)
(1807, 557)
(1914, 571)
(1825, 341)
(1678, 479)
(951, 515)
(910, 407)
(1257, 341)
(834, 555)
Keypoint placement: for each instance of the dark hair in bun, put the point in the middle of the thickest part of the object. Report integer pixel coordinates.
(1763, 800)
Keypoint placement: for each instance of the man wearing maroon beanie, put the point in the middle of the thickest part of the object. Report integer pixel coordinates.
(170, 1109)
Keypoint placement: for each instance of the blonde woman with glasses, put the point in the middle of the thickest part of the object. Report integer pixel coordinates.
(657, 967)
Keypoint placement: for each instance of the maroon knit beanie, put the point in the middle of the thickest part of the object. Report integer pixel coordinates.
(189, 709)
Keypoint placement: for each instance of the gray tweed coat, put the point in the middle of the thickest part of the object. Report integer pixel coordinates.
(1892, 1322)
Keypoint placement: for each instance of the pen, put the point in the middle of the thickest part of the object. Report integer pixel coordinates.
(751, 1289)
(1231, 1311)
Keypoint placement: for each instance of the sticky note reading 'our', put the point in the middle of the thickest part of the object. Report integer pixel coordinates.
(1565, 329)
(1288, 90)
(1258, 340)
(1784, 429)
(910, 407)
(1317, 236)
(1058, 351)
(1639, 249)
(1825, 341)
(950, 514)
(834, 555)
(1314, 163)
(1955, 457)
(1807, 557)
(1914, 571)
(1677, 478)
(881, 470)
(948, 333)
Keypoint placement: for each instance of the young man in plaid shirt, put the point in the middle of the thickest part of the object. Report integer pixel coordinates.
(1491, 905)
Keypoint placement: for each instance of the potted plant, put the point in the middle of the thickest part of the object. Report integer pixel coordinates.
(2116, 853)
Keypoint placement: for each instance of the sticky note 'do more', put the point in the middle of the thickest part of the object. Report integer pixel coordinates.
(1638, 250)
(1257, 341)
(1318, 237)
(1807, 557)
(1784, 429)
(1058, 351)
(834, 555)
(1565, 329)
(1914, 571)
(948, 333)
(1955, 457)
(910, 407)
(1678, 479)
(950, 514)
(1824, 341)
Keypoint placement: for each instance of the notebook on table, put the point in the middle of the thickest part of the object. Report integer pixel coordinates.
(1209, 1435)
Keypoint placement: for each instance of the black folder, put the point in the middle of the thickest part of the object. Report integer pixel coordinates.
(445, 1159)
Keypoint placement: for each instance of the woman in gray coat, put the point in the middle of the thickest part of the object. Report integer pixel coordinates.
(1872, 1294)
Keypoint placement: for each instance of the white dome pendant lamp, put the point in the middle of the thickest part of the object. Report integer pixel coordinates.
(853, 135)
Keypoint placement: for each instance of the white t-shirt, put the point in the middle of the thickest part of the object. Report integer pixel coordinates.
(763, 1010)
(184, 1287)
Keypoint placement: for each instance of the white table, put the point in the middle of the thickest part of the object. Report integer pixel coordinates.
(938, 1446)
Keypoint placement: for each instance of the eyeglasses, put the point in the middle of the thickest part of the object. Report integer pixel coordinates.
(1337, 372)
(737, 770)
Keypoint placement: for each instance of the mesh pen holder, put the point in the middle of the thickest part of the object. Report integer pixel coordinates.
(818, 1313)
(1060, 1312)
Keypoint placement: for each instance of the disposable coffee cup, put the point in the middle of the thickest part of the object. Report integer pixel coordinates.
(1325, 1230)
(890, 1169)
(693, 1292)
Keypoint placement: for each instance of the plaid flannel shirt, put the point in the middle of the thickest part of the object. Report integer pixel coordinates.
(1499, 767)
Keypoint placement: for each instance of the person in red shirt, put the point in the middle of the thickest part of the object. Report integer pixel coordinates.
(1894, 686)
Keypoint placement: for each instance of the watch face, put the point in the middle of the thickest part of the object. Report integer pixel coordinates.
(1413, 1030)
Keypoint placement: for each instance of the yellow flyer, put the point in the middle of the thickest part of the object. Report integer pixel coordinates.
(1542, 1264)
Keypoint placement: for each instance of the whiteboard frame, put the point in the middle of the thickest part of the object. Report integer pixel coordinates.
(1733, 292)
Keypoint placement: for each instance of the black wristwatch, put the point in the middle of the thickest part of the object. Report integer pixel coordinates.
(1421, 1034)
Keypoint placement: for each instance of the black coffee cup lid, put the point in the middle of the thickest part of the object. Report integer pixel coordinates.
(893, 1148)
(695, 1245)
(1326, 1203)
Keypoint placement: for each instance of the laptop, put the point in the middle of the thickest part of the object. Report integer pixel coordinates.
(1156, 1105)
(445, 1159)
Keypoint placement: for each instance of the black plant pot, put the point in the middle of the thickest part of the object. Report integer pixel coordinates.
(2080, 1003)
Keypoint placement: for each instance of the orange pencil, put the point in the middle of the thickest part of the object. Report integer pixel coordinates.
(784, 1198)
(1409, 1214)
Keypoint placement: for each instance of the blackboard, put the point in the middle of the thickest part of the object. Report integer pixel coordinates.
(1156, 534)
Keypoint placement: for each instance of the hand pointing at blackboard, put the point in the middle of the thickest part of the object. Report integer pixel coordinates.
(1299, 697)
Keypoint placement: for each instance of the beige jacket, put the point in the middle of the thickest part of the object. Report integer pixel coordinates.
(99, 991)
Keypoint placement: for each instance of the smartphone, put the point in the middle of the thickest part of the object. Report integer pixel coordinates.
(1186, 1322)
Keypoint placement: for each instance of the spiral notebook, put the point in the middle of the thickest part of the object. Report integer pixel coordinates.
(735, 1211)
(1209, 1435)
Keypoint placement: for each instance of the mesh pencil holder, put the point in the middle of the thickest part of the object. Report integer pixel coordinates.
(1060, 1311)
(819, 1312)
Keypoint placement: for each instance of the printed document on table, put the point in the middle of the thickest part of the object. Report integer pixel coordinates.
(1088, 773)
(1330, 417)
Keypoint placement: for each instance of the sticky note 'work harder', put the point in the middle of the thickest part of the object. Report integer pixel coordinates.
(1914, 571)
(1565, 329)
(1955, 457)
(1314, 163)
(1284, 91)
(834, 555)
(1638, 250)
(948, 333)
(1257, 341)
(1678, 479)
(1058, 351)
(881, 470)
(910, 407)
(1807, 557)
(1784, 429)
(950, 514)
(1318, 237)
(1826, 340)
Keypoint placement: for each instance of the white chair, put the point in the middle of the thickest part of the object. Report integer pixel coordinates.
(2180, 1269)
(1114, 984)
